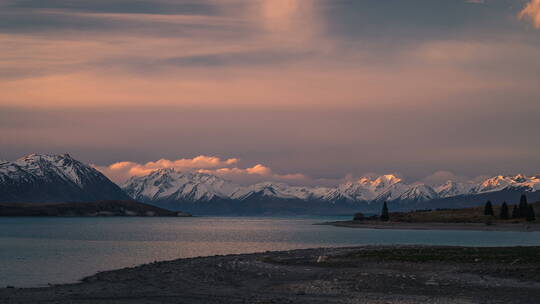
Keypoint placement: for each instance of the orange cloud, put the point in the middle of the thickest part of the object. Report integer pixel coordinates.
(531, 11)
(121, 171)
(225, 168)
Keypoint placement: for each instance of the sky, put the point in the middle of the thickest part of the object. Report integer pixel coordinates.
(300, 91)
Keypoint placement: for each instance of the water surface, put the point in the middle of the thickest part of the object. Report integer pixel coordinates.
(38, 251)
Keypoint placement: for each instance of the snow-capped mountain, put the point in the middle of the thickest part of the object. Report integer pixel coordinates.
(452, 188)
(384, 188)
(279, 190)
(60, 178)
(418, 193)
(168, 185)
(54, 178)
(367, 189)
(500, 182)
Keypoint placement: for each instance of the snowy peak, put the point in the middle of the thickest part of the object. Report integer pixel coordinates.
(385, 181)
(501, 182)
(170, 184)
(419, 193)
(392, 192)
(366, 189)
(54, 178)
(45, 166)
(452, 188)
(495, 183)
(278, 190)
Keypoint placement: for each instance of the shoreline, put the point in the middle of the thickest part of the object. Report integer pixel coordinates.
(365, 274)
(518, 227)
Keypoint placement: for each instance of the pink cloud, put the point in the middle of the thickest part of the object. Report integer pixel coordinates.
(225, 168)
(120, 171)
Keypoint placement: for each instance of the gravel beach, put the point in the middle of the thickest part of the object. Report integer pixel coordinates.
(371, 274)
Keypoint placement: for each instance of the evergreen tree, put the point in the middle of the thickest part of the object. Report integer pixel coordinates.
(523, 209)
(530, 214)
(488, 209)
(515, 212)
(384, 213)
(504, 211)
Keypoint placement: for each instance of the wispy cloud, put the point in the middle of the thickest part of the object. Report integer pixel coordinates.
(531, 12)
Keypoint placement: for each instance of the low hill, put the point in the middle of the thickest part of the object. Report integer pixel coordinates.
(98, 208)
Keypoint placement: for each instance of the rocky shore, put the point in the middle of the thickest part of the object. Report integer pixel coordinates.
(372, 274)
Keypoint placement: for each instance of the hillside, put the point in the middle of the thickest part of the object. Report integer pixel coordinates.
(98, 208)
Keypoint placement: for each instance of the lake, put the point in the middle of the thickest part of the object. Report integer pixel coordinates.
(39, 251)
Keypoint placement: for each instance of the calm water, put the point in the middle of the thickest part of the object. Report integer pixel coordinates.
(37, 251)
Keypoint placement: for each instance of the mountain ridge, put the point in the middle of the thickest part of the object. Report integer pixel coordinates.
(364, 194)
(60, 178)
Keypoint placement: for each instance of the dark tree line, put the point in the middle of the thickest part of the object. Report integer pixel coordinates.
(522, 210)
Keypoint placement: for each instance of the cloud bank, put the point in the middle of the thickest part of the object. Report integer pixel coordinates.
(119, 172)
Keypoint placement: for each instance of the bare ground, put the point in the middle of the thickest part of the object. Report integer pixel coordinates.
(389, 274)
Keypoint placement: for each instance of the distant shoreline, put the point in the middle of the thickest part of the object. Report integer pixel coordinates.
(524, 227)
(113, 208)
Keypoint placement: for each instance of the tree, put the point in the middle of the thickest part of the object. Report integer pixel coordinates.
(523, 209)
(488, 209)
(504, 211)
(384, 213)
(515, 212)
(530, 216)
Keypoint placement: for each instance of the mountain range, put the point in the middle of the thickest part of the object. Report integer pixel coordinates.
(60, 178)
(200, 192)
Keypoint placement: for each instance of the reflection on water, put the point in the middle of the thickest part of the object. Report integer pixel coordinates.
(37, 251)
